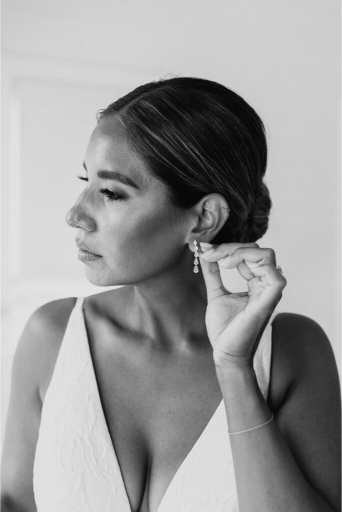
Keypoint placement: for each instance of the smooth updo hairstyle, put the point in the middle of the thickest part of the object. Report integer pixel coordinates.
(199, 137)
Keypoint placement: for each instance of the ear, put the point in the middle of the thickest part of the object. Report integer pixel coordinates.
(212, 213)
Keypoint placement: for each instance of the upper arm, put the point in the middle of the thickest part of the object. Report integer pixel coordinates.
(33, 364)
(309, 412)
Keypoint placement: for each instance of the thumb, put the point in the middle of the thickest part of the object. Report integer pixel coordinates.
(212, 278)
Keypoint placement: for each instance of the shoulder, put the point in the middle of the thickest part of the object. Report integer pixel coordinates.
(55, 312)
(32, 367)
(299, 338)
(47, 324)
(306, 400)
(41, 340)
(300, 349)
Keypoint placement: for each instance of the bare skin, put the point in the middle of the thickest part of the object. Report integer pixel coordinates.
(36, 357)
(155, 329)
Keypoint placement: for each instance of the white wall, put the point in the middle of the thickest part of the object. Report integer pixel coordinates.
(63, 60)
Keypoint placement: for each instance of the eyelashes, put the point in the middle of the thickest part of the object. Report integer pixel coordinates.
(112, 196)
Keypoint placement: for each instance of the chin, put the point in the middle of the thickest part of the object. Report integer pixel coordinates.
(98, 278)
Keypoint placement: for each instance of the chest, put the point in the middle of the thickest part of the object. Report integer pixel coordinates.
(156, 409)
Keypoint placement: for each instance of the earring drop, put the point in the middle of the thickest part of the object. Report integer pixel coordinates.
(196, 256)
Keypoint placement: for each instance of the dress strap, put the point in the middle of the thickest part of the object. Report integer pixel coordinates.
(79, 302)
(262, 358)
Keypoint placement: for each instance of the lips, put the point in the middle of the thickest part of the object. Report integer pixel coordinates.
(83, 247)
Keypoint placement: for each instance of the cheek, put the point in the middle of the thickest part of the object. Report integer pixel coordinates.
(146, 240)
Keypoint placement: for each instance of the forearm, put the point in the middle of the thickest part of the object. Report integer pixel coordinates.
(267, 476)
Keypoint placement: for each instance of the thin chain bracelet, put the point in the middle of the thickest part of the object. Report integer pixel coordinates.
(252, 428)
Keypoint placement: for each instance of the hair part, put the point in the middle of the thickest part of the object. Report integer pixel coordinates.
(199, 137)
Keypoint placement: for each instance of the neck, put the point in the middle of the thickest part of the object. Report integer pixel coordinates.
(170, 308)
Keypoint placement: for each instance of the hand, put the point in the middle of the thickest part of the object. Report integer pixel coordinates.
(236, 321)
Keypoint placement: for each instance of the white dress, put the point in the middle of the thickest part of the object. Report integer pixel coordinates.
(76, 468)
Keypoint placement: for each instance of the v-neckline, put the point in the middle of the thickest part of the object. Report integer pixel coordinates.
(104, 421)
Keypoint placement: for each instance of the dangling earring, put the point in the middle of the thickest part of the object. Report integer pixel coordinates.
(196, 256)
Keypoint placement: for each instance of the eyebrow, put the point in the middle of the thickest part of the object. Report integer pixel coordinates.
(115, 175)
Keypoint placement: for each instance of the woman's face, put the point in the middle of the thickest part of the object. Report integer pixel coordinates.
(130, 226)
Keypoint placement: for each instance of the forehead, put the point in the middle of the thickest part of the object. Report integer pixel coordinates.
(109, 148)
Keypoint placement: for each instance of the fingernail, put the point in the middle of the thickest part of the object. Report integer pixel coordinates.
(205, 245)
(207, 253)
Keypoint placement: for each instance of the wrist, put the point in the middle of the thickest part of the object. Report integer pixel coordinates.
(234, 371)
(231, 362)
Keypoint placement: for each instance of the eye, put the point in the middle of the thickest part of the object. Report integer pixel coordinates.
(112, 196)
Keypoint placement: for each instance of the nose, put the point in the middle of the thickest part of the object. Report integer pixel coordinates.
(77, 217)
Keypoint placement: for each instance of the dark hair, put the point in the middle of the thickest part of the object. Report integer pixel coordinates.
(199, 137)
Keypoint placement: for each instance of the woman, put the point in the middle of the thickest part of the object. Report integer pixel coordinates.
(171, 393)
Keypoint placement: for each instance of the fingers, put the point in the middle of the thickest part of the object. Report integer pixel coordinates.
(224, 250)
(256, 265)
(211, 268)
(249, 258)
(221, 253)
(212, 278)
(269, 275)
(271, 283)
(244, 257)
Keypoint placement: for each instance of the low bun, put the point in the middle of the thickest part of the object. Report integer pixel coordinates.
(249, 222)
(258, 222)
